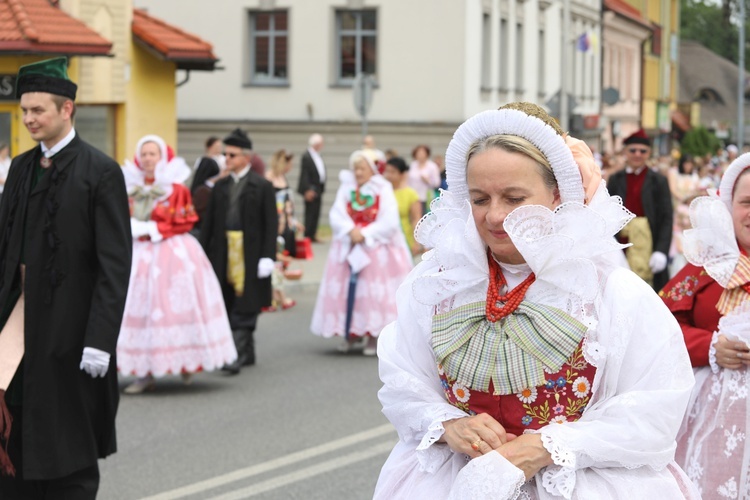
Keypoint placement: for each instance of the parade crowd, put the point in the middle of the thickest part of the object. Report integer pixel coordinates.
(549, 323)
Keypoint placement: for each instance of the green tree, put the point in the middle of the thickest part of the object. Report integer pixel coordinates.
(711, 24)
(698, 141)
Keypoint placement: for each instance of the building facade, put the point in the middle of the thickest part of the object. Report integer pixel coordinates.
(122, 60)
(288, 68)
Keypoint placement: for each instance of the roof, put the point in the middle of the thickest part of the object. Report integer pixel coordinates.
(627, 11)
(170, 43)
(710, 79)
(37, 27)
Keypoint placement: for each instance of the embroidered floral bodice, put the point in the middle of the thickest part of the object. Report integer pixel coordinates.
(563, 398)
(363, 208)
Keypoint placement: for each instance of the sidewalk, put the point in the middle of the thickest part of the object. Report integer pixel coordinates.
(312, 270)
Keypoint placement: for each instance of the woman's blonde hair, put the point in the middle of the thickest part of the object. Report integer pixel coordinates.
(278, 162)
(515, 144)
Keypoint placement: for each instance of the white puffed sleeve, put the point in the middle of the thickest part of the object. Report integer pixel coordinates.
(639, 395)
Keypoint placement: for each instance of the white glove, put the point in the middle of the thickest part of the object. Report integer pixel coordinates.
(94, 362)
(265, 267)
(153, 232)
(657, 262)
(138, 228)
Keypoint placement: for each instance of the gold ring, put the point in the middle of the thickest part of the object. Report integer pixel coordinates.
(475, 445)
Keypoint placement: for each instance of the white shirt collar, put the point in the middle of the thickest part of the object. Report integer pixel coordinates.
(631, 170)
(242, 173)
(50, 152)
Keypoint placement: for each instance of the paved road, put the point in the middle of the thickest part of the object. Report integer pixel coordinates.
(305, 422)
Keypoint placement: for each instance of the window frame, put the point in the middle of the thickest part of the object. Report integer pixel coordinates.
(359, 33)
(271, 34)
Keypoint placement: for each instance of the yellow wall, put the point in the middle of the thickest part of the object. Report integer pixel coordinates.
(151, 104)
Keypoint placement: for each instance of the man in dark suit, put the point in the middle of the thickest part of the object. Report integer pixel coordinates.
(65, 254)
(239, 236)
(205, 173)
(312, 184)
(645, 193)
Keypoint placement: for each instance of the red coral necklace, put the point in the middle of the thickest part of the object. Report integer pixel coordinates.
(511, 300)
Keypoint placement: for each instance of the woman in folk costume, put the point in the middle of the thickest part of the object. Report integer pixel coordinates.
(524, 361)
(175, 320)
(710, 297)
(367, 261)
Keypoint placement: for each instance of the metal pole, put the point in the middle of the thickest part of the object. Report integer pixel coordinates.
(564, 111)
(741, 82)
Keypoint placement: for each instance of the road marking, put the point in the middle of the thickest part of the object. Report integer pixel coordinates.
(307, 472)
(277, 463)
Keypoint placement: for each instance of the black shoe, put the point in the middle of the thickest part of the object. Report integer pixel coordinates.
(231, 368)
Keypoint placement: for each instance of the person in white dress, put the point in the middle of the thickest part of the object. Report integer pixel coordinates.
(175, 320)
(525, 362)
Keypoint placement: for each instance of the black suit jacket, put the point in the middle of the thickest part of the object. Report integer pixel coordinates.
(260, 227)
(309, 177)
(657, 206)
(77, 251)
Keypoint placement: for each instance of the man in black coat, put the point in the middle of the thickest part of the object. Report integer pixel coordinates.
(206, 172)
(312, 184)
(239, 236)
(646, 194)
(65, 254)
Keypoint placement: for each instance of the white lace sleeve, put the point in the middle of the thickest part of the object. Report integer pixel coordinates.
(412, 394)
(639, 394)
(712, 353)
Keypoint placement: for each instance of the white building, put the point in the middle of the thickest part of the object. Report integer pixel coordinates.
(289, 66)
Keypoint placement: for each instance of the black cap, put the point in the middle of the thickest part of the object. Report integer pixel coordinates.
(238, 138)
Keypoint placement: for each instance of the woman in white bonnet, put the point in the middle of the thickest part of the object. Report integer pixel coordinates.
(524, 361)
(710, 297)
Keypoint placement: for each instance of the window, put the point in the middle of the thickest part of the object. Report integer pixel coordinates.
(541, 63)
(356, 36)
(519, 57)
(486, 52)
(97, 124)
(268, 48)
(504, 84)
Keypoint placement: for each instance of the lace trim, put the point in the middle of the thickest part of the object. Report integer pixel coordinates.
(560, 456)
(559, 480)
(489, 476)
(712, 353)
(431, 457)
(711, 243)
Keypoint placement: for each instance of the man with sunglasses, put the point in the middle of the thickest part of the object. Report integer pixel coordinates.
(645, 193)
(239, 236)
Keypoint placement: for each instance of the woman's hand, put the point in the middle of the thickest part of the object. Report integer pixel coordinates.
(731, 354)
(356, 236)
(527, 453)
(474, 436)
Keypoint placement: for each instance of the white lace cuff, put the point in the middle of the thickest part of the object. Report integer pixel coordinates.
(432, 457)
(489, 476)
(559, 479)
(712, 353)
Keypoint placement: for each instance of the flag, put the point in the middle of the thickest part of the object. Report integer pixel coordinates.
(583, 43)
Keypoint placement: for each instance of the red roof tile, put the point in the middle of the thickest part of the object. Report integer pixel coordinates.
(37, 27)
(171, 43)
(626, 10)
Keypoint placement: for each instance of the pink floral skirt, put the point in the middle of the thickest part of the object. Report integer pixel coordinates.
(175, 319)
(375, 297)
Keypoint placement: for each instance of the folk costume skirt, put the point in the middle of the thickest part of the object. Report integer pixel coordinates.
(175, 320)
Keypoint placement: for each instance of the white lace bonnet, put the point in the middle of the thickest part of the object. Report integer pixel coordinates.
(360, 153)
(729, 178)
(513, 122)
